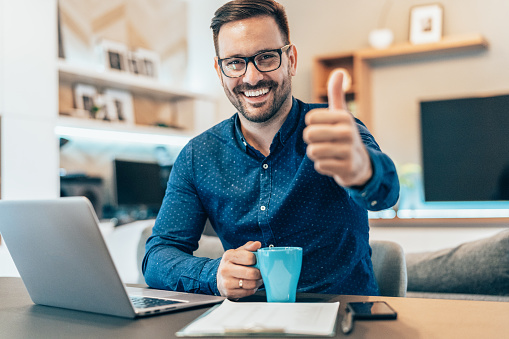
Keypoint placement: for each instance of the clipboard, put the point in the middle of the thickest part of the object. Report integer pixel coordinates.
(255, 319)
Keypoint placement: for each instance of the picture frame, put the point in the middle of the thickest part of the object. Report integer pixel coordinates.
(114, 55)
(148, 62)
(426, 23)
(119, 106)
(84, 98)
(134, 64)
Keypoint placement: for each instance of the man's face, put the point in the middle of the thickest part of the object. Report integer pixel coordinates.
(258, 96)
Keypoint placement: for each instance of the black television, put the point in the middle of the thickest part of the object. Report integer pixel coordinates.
(139, 183)
(465, 149)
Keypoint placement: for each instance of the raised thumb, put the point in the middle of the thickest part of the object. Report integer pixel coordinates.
(335, 90)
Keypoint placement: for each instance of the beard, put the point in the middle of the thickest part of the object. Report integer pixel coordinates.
(256, 112)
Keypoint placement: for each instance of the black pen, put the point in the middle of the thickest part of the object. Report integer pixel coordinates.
(347, 322)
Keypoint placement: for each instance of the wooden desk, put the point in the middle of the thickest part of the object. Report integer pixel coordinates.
(417, 318)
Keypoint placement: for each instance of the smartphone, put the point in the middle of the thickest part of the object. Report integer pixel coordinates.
(374, 310)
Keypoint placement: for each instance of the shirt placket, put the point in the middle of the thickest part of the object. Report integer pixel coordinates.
(263, 212)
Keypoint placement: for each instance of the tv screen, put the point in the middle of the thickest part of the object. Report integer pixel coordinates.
(465, 149)
(140, 183)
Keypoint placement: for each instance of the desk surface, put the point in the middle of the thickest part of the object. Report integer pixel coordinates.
(417, 318)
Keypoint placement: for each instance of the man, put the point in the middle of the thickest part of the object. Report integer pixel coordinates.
(263, 178)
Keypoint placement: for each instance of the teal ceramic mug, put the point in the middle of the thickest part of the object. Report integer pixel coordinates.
(280, 268)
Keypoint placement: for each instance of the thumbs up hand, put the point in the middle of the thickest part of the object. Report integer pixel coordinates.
(334, 142)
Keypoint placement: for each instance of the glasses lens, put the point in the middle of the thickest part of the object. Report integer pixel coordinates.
(268, 61)
(234, 67)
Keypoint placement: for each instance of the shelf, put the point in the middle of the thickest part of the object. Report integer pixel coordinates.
(359, 64)
(120, 132)
(447, 45)
(122, 80)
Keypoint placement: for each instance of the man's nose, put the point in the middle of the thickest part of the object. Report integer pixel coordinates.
(252, 75)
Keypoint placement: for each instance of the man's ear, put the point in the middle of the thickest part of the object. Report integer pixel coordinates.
(218, 69)
(292, 60)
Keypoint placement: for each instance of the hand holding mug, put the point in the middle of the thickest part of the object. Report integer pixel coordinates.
(235, 276)
(334, 142)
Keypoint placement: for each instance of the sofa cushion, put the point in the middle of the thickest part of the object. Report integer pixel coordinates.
(477, 267)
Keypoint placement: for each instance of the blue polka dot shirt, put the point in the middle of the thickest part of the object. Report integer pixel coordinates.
(278, 200)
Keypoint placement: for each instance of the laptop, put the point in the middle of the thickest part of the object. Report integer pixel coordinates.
(62, 258)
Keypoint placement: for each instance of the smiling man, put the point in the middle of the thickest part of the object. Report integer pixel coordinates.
(279, 172)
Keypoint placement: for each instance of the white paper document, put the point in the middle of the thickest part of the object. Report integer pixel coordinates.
(262, 318)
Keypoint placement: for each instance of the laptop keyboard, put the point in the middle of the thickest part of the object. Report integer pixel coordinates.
(147, 302)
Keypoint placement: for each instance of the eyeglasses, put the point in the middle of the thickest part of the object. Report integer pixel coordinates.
(266, 61)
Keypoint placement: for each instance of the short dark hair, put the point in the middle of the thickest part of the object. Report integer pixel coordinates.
(244, 9)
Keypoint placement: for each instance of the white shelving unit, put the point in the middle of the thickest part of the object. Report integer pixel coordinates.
(123, 80)
(193, 103)
(120, 132)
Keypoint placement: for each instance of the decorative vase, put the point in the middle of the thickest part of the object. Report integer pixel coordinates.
(381, 38)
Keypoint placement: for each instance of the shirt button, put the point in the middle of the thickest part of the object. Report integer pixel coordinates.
(374, 202)
(262, 208)
(265, 166)
(363, 194)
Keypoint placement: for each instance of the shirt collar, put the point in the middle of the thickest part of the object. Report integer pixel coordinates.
(282, 135)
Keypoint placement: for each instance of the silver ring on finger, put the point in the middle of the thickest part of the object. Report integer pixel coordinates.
(241, 283)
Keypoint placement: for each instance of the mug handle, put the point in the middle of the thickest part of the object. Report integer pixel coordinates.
(256, 264)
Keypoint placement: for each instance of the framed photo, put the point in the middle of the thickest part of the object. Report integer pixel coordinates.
(119, 105)
(115, 55)
(148, 62)
(426, 23)
(134, 64)
(84, 97)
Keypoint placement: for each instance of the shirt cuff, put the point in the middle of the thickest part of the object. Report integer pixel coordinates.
(374, 195)
(208, 277)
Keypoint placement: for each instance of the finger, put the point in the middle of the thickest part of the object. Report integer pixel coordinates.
(326, 150)
(332, 167)
(239, 257)
(243, 255)
(325, 116)
(335, 90)
(327, 133)
(234, 283)
(249, 287)
(251, 246)
(243, 272)
(251, 284)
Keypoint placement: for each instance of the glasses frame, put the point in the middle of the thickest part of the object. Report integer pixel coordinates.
(252, 59)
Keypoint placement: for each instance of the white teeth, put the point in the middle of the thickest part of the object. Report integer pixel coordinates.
(256, 93)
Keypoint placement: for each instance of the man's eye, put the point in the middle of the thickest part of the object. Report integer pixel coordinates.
(267, 56)
(235, 64)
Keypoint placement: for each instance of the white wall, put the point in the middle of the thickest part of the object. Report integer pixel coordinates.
(29, 104)
(202, 76)
(2, 14)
